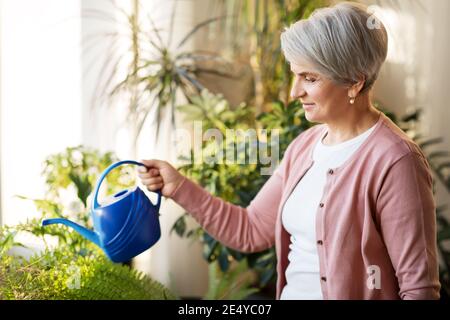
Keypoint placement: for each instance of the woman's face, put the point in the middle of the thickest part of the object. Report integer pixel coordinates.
(322, 99)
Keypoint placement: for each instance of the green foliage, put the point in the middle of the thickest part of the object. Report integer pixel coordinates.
(79, 167)
(235, 284)
(253, 29)
(215, 112)
(220, 177)
(76, 268)
(62, 274)
(290, 119)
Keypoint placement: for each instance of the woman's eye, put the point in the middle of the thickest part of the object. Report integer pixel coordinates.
(309, 79)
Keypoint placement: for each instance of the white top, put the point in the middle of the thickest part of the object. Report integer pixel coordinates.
(299, 214)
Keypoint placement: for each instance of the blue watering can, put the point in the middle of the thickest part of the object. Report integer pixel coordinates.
(125, 225)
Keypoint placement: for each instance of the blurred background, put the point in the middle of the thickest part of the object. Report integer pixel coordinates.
(121, 77)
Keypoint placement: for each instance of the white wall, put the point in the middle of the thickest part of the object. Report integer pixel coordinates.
(416, 72)
(437, 104)
(100, 119)
(41, 94)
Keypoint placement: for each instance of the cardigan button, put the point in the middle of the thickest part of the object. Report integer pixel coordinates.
(324, 279)
(321, 205)
(330, 171)
(320, 242)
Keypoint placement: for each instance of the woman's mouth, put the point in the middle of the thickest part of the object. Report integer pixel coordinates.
(309, 106)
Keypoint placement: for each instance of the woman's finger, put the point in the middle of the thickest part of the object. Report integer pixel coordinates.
(149, 173)
(154, 180)
(143, 176)
(155, 187)
(142, 169)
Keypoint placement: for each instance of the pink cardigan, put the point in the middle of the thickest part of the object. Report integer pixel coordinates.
(377, 209)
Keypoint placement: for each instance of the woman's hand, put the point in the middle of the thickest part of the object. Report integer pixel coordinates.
(158, 174)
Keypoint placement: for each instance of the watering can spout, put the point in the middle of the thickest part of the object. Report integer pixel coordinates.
(88, 234)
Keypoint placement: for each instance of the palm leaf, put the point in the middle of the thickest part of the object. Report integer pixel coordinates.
(197, 28)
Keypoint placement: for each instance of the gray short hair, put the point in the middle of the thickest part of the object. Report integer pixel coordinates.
(338, 41)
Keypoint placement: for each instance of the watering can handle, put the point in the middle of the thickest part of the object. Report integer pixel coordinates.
(95, 203)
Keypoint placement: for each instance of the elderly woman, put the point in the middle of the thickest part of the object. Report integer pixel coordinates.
(350, 208)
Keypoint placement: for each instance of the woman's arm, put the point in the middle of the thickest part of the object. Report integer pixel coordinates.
(407, 215)
(248, 229)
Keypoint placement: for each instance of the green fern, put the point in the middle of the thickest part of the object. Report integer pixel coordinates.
(62, 274)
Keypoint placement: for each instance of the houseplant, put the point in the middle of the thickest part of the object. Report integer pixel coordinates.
(151, 72)
(71, 267)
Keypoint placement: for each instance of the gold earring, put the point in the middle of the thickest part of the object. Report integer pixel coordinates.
(352, 100)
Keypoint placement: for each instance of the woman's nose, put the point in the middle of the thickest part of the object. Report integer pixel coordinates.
(296, 94)
(297, 91)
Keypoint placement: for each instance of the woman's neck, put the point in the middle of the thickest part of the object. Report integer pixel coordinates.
(360, 117)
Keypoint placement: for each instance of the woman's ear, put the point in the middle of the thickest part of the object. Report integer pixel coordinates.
(355, 89)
